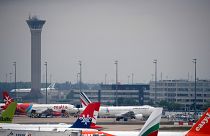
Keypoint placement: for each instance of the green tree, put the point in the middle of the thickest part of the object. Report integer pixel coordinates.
(174, 106)
(206, 105)
(70, 95)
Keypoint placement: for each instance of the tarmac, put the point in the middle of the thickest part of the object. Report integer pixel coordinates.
(109, 124)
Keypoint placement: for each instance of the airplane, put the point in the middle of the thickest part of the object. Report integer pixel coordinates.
(120, 112)
(150, 127)
(86, 120)
(50, 87)
(37, 110)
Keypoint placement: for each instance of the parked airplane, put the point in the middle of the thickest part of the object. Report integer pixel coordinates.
(50, 87)
(84, 121)
(150, 128)
(120, 112)
(87, 119)
(37, 110)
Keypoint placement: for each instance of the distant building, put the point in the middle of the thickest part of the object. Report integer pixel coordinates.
(138, 93)
(181, 92)
(107, 94)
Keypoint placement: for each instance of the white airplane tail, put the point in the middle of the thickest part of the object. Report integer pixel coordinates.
(84, 99)
(152, 124)
(51, 86)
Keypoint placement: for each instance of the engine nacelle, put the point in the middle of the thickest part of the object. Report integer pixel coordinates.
(139, 116)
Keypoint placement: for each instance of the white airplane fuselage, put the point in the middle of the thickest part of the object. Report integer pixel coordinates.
(35, 127)
(39, 108)
(42, 127)
(116, 111)
(136, 133)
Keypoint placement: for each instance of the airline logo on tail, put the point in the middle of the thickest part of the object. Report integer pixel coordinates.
(85, 120)
(84, 99)
(202, 126)
(86, 117)
(152, 124)
(203, 122)
(7, 98)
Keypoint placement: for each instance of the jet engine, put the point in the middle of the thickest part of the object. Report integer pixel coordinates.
(139, 116)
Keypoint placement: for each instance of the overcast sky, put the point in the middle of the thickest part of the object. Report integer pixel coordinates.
(98, 32)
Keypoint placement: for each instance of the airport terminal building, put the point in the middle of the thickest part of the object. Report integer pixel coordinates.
(177, 91)
(107, 94)
(181, 92)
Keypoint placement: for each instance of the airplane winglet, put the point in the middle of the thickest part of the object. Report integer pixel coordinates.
(8, 114)
(87, 116)
(202, 126)
(152, 124)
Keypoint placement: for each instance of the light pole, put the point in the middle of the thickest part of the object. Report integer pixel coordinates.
(14, 64)
(78, 80)
(105, 79)
(6, 78)
(10, 77)
(194, 61)
(128, 79)
(132, 77)
(80, 73)
(116, 92)
(46, 79)
(155, 62)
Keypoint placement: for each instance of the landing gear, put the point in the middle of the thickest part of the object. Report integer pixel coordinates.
(119, 118)
(65, 114)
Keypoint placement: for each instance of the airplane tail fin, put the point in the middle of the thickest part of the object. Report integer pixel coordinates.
(152, 124)
(7, 98)
(8, 113)
(51, 86)
(94, 119)
(87, 116)
(202, 126)
(84, 99)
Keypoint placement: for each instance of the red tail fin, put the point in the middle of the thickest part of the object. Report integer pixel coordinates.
(202, 126)
(88, 111)
(7, 98)
(94, 119)
(86, 117)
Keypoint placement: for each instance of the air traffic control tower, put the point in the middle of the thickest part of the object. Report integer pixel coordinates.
(35, 26)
